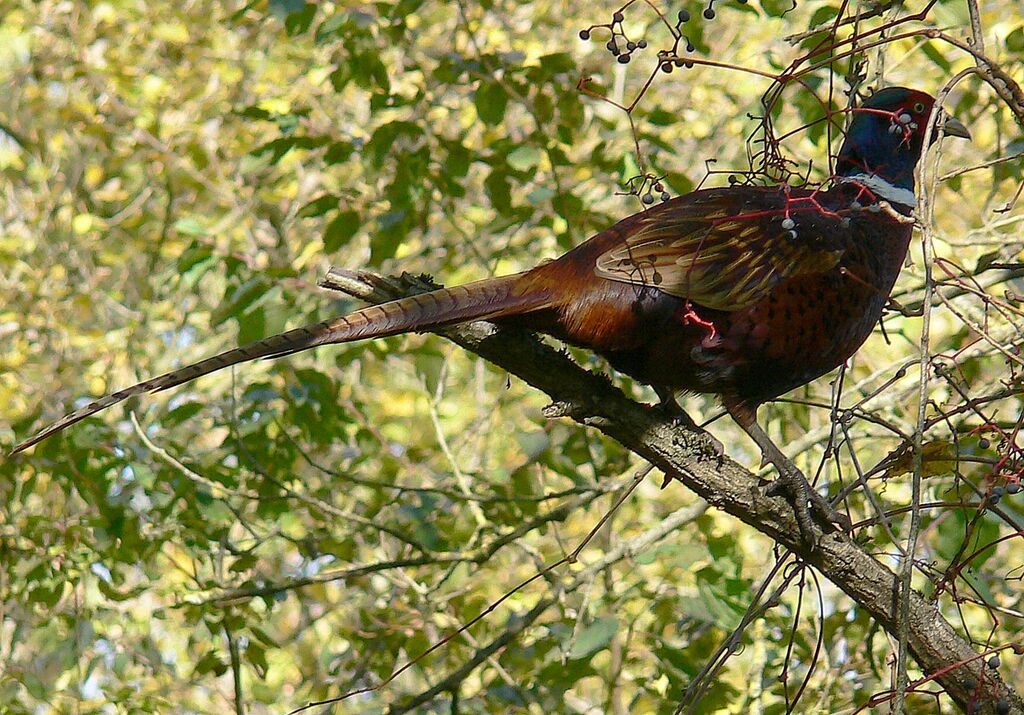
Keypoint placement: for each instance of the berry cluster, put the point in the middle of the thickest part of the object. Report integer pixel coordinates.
(656, 188)
(649, 188)
(669, 59)
(620, 46)
(1002, 705)
(1008, 468)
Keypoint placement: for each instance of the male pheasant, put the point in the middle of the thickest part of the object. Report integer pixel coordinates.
(744, 292)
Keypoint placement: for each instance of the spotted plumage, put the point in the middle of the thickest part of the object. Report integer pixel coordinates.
(724, 298)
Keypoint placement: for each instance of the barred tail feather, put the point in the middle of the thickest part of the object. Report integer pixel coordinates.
(485, 299)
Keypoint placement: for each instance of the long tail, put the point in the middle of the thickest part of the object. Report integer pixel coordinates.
(492, 298)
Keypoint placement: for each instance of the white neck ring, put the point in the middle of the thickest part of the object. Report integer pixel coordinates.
(883, 189)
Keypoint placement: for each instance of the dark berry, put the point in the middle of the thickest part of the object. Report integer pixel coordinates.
(983, 443)
(1002, 707)
(689, 46)
(618, 17)
(630, 45)
(993, 662)
(584, 34)
(678, 63)
(1013, 488)
(657, 186)
(998, 491)
(667, 68)
(994, 498)
(684, 15)
(665, 196)
(612, 47)
(647, 198)
(623, 59)
(970, 684)
(689, 64)
(641, 44)
(709, 14)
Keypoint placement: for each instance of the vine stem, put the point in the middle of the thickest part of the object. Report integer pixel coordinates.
(924, 214)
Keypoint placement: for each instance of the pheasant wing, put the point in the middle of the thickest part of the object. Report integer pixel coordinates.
(725, 248)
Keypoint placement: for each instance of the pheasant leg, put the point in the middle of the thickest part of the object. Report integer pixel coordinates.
(791, 483)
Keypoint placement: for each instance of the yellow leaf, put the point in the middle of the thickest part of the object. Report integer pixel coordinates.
(93, 175)
(275, 105)
(97, 386)
(937, 457)
(83, 223)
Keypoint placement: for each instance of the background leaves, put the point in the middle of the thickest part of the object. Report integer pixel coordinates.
(176, 178)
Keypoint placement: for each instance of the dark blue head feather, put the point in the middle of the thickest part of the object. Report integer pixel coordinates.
(886, 136)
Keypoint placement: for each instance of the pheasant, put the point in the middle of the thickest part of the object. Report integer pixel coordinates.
(743, 292)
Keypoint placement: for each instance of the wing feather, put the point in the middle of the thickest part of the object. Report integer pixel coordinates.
(723, 249)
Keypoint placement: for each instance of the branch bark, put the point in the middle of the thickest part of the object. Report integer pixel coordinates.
(689, 455)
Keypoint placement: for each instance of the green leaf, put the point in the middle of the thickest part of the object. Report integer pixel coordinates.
(979, 585)
(257, 655)
(341, 229)
(822, 15)
(331, 26)
(254, 112)
(662, 118)
(243, 563)
(1015, 40)
(490, 100)
(987, 259)
(392, 226)
(948, 538)
(193, 255)
(557, 62)
(459, 159)
(319, 206)
(35, 686)
(278, 148)
(338, 152)
(932, 52)
(182, 413)
(240, 298)
(382, 144)
(189, 227)
(114, 594)
(499, 191)
(594, 637)
(283, 8)
(524, 158)
(777, 8)
(722, 609)
(298, 21)
(211, 662)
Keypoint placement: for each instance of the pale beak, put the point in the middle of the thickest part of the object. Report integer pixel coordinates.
(953, 127)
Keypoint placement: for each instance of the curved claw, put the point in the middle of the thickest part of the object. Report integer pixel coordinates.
(791, 483)
(807, 504)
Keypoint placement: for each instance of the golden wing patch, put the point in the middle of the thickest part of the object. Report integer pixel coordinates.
(725, 264)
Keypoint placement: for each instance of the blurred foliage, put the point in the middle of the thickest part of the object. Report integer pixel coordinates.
(175, 178)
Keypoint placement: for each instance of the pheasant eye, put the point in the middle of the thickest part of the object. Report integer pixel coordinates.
(918, 107)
